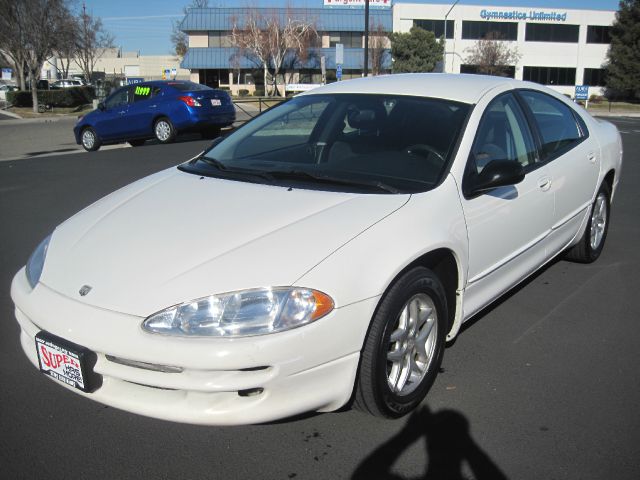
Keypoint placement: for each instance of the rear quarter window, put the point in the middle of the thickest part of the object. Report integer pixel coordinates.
(557, 124)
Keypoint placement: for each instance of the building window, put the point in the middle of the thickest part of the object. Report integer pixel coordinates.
(435, 26)
(598, 34)
(594, 77)
(550, 75)
(220, 39)
(543, 32)
(472, 30)
(509, 70)
(348, 39)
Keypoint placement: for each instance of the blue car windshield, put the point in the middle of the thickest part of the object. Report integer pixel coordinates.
(389, 143)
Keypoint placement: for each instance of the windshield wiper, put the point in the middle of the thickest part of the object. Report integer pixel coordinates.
(304, 174)
(234, 170)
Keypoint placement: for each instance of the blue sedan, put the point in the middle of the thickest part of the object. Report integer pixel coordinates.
(158, 109)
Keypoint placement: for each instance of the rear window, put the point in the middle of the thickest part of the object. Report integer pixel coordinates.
(188, 86)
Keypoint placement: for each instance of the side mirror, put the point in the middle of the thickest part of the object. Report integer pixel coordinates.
(497, 173)
(101, 106)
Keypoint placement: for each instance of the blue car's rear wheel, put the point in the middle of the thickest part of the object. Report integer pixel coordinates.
(90, 140)
(164, 130)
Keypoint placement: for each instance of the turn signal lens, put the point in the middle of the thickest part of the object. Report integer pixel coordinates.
(192, 102)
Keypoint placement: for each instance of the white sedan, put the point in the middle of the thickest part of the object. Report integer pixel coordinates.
(322, 254)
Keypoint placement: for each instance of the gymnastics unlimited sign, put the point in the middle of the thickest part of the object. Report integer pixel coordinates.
(523, 15)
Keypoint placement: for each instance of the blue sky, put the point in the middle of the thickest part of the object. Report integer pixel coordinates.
(146, 25)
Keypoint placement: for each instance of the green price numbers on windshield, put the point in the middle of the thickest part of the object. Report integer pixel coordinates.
(143, 91)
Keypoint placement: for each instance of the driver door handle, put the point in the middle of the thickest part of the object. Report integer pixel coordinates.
(544, 183)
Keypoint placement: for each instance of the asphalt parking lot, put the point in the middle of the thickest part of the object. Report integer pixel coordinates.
(544, 384)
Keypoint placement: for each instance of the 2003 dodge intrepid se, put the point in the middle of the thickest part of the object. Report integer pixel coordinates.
(322, 253)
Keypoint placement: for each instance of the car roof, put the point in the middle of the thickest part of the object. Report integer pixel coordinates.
(465, 88)
(163, 83)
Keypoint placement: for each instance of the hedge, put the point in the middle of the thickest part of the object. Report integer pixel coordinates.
(64, 97)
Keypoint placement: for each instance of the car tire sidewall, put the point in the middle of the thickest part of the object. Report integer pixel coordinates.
(419, 280)
(595, 253)
(172, 134)
(583, 252)
(96, 139)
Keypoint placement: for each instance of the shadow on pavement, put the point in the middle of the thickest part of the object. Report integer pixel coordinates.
(449, 447)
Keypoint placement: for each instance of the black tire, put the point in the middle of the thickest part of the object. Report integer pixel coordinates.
(210, 133)
(374, 394)
(90, 140)
(136, 143)
(164, 130)
(590, 246)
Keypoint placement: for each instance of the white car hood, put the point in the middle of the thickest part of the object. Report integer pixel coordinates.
(175, 236)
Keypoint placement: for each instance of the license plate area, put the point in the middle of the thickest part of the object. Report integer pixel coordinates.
(67, 362)
(216, 102)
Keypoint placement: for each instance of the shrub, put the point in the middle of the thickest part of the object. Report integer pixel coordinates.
(64, 97)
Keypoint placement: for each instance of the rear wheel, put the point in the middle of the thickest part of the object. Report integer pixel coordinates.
(590, 246)
(90, 140)
(404, 346)
(164, 130)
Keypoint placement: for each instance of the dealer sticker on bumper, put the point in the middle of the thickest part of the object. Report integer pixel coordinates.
(62, 360)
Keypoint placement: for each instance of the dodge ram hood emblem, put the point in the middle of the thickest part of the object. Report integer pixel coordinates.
(84, 290)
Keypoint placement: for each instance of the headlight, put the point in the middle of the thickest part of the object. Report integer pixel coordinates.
(36, 262)
(244, 313)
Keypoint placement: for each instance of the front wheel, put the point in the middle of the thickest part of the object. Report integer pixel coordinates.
(164, 130)
(90, 140)
(404, 346)
(590, 246)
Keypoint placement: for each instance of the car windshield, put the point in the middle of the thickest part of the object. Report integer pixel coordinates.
(352, 142)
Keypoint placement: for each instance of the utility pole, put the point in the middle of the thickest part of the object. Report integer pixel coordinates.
(366, 38)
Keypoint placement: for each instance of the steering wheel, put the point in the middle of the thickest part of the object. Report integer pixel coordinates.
(423, 150)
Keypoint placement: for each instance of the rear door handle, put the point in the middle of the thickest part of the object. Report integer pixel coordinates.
(544, 183)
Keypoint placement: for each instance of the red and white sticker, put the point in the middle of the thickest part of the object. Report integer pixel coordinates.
(60, 363)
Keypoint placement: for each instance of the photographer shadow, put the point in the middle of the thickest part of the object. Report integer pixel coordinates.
(449, 447)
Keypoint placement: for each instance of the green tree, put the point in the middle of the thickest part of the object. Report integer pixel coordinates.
(623, 66)
(416, 51)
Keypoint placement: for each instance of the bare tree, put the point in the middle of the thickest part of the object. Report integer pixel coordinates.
(65, 49)
(267, 39)
(492, 55)
(378, 48)
(13, 33)
(29, 32)
(179, 39)
(91, 42)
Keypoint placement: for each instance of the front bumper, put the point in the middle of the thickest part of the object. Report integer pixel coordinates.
(222, 381)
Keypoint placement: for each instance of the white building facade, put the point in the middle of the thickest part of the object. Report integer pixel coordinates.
(560, 48)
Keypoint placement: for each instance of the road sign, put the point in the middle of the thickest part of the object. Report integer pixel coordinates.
(339, 71)
(582, 92)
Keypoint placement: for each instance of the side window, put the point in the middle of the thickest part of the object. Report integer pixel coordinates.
(121, 97)
(503, 134)
(556, 123)
(141, 92)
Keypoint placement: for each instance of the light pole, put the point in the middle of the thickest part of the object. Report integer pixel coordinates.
(444, 67)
